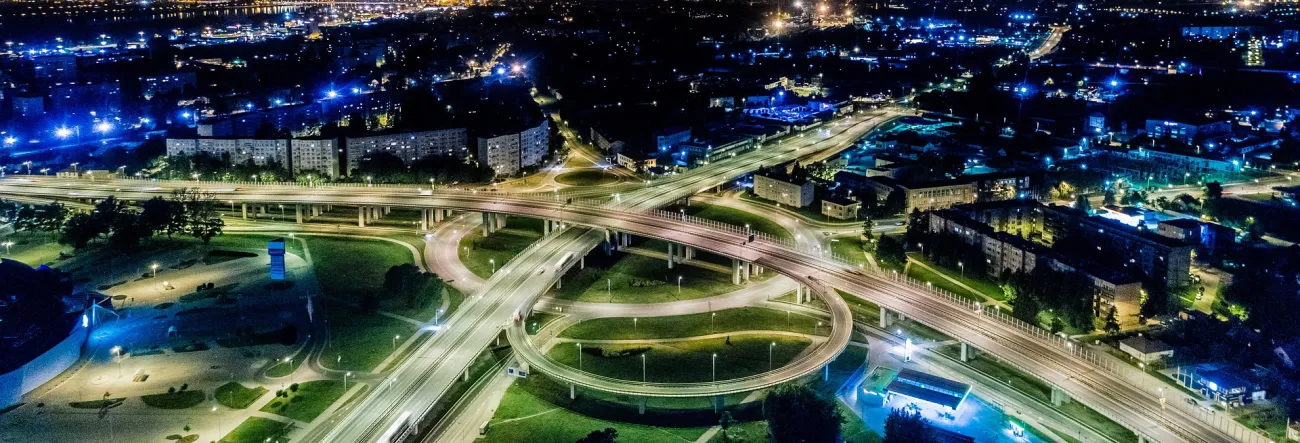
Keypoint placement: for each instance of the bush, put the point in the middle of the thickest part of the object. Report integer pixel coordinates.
(639, 283)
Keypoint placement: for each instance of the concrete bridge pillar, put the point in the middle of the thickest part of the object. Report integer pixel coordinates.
(501, 221)
(297, 213)
(627, 240)
(798, 294)
(582, 263)
(640, 406)
(735, 272)
(884, 317)
(671, 255)
(388, 210)
(967, 352)
(546, 227)
(573, 391)
(243, 210)
(718, 403)
(745, 270)
(487, 225)
(424, 219)
(438, 214)
(1059, 397)
(361, 216)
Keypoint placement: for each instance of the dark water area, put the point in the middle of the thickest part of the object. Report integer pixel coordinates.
(120, 22)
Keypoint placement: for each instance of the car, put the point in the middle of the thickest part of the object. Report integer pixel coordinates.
(898, 223)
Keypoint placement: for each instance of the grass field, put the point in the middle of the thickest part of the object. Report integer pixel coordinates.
(688, 361)
(174, 400)
(478, 252)
(257, 430)
(586, 177)
(311, 399)
(938, 281)
(735, 217)
(235, 395)
(34, 249)
(693, 325)
(979, 283)
(1268, 417)
(658, 284)
(531, 415)
(349, 270)
(849, 247)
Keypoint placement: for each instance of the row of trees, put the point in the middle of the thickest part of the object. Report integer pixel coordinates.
(406, 282)
(185, 212)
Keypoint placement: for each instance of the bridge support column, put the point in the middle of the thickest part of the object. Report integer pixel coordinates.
(464, 375)
(884, 317)
(546, 227)
(573, 391)
(627, 240)
(640, 406)
(1059, 397)
(388, 210)
(745, 270)
(718, 403)
(297, 213)
(361, 216)
(735, 272)
(1142, 439)
(487, 226)
(671, 255)
(243, 210)
(826, 372)
(424, 219)
(967, 352)
(798, 294)
(501, 221)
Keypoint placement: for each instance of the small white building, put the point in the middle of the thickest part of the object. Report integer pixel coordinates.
(1145, 350)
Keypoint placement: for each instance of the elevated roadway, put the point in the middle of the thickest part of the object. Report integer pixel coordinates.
(1114, 394)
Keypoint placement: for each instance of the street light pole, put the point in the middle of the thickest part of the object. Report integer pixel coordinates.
(642, 368)
(679, 285)
(395, 337)
(769, 355)
(493, 261)
(715, 367)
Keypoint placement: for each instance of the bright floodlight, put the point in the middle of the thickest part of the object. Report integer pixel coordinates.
(102, 127)
(62, 132)
(332, 94)
(516, 68)
(10, 140)
(501, 71)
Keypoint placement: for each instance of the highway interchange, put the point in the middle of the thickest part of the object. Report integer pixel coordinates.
(422, 379)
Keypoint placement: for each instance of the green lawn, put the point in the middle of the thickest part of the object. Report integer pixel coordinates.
(175, 400)
(980, 283)
(925, 275)
(478, 252)
(33, 249)
(363, 340)
(736, 217)
(349, 270)
(279, 368)
(525, 417)
(693, 325)
(586, 177)
(1268, 417)
(688, 361)
(258, 430)
(235, 395)
(640, 279)
(311, 400)
(849, 247)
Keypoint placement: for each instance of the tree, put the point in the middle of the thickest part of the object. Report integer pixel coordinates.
(1108, 198)
(202, 220)
(607, 435)
(80, 229)
(725, 422)
(128, 230)
(45, 218)
(1057, 325)
(796, 413)
(891, 251)
(1213, 190)
(1112, 322)
(903, 426)
(407, 281)
(163, 215)
(1082, 203)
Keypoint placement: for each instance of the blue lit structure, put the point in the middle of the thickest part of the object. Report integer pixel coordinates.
(276, 249)
(929, 388)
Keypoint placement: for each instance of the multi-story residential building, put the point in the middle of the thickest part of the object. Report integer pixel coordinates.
(840, 208)
(315, 155)
(1006, 253)
(74, 98)
(236, 150)
(667, 138)
(408, 146)
(28, 107)
(1186, 132)
(155, 85)
(781, 188)
(55, 68)
(507, 154)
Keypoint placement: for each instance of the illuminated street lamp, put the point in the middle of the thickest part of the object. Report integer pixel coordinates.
(395, 337)
(154, 268)
(493, 261)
